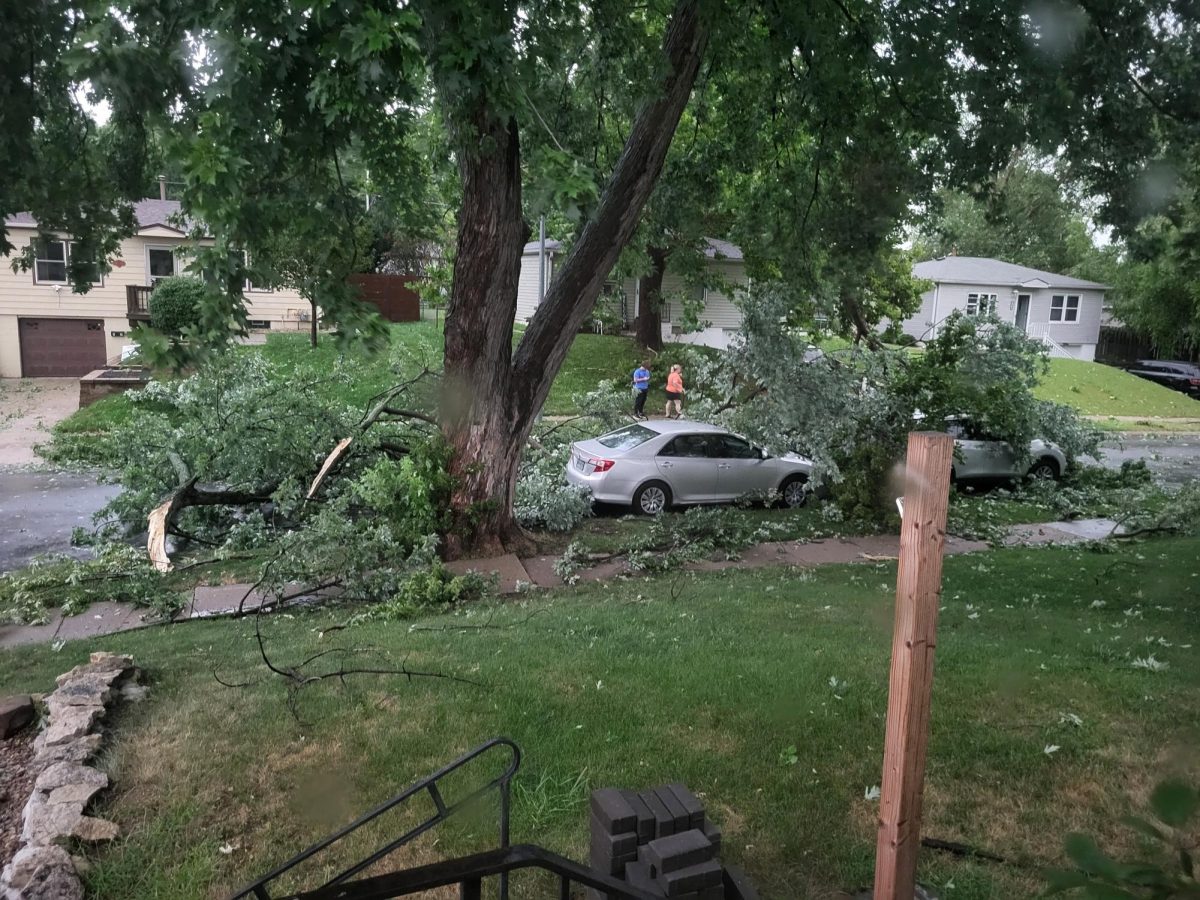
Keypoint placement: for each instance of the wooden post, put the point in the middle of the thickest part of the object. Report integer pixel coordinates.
(918, 589)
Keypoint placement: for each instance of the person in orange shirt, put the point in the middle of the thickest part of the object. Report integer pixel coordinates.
(675, 390)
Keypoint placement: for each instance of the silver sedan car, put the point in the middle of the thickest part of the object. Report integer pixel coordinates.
(654, 464)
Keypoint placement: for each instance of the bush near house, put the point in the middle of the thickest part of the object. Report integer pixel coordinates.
(175, 304)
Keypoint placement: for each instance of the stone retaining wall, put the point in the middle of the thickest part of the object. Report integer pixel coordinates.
(65, 785)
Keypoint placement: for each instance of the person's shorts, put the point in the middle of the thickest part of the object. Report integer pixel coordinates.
(674, 395)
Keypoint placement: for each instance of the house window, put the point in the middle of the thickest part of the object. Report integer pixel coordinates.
(981, 304)
(1064, 308)
(248, 285)
(52, 262)
(50, 266)
(160, 262)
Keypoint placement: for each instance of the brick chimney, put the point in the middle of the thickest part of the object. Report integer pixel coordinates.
(162, 187)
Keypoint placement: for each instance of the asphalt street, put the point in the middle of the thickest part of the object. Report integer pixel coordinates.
(39, 510)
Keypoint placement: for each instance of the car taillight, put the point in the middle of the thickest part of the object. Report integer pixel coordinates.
(600, 465)
(1194, 382)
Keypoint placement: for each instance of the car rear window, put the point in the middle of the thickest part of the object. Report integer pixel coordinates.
(627, 438)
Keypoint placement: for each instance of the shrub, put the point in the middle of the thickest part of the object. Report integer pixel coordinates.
(175, 304)
(1174, 804)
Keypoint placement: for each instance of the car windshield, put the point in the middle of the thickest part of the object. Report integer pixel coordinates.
(627, 438)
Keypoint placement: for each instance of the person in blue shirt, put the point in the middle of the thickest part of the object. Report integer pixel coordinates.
(641, 387)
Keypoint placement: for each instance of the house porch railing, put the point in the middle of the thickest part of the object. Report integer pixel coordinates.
(137, 302)
(1041, 331)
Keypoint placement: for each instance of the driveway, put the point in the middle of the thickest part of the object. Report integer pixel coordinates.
(29, 408)
(39, 508)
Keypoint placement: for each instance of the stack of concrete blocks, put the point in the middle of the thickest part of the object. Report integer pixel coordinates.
(660, 841)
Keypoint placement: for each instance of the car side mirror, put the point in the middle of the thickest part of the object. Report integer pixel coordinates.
(763, 454)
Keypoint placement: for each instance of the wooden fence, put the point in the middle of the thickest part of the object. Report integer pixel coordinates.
(393, 295)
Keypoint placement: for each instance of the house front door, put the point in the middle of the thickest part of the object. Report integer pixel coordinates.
(1022, 320)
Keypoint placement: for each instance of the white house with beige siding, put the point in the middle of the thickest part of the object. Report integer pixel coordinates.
(48, 329)
(1062, 311)
(720, 316)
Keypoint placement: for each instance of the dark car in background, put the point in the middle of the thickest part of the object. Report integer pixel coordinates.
(1179, 376)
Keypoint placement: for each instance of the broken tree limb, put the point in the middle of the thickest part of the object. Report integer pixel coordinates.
(162, 518)
(381, 407)
(330, 460)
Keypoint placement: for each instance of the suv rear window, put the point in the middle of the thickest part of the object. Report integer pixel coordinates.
(627, 438)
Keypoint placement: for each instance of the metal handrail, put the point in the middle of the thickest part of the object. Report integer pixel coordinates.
(469, 872)
(258, 888)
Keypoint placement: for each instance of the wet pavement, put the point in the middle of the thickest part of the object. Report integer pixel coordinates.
(39, 509)
(1174, 459)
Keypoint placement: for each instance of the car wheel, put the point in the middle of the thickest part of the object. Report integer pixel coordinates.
(1045, 470)
(652, 498)
(794, 491)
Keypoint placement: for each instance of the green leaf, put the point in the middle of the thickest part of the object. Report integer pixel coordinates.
(1059, 880)
(1174, 802)
(1099, 891)
(1149, 829)
(1144, 874)
(1086, 854)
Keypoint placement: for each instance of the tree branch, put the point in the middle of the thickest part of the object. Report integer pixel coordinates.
(410, 414)
(578, 283)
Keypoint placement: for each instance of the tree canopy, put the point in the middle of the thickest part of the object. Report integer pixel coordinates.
(826, 121)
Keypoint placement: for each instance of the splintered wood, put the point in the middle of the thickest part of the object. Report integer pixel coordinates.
(332, 458)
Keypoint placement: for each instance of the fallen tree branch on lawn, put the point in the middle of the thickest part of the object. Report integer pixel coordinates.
(296, 678)
(966, 850)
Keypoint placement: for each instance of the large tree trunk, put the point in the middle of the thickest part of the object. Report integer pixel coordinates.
(492, 396)
(477, 418)
(649, 317)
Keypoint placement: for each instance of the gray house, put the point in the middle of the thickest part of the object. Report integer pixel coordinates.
(1063, 312)
(720, 317)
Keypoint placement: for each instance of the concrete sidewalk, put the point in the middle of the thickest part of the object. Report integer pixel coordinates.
(515, 574)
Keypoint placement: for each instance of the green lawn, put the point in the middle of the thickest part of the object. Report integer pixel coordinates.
(1099, 390)
(722, 680)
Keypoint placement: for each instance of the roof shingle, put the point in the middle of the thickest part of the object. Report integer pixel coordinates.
(980, 270)
(147, 213)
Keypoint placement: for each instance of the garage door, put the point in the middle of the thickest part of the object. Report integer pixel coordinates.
(64, 347)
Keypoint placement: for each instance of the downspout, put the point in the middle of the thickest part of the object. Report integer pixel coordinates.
(541, 259)
(937, 286)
